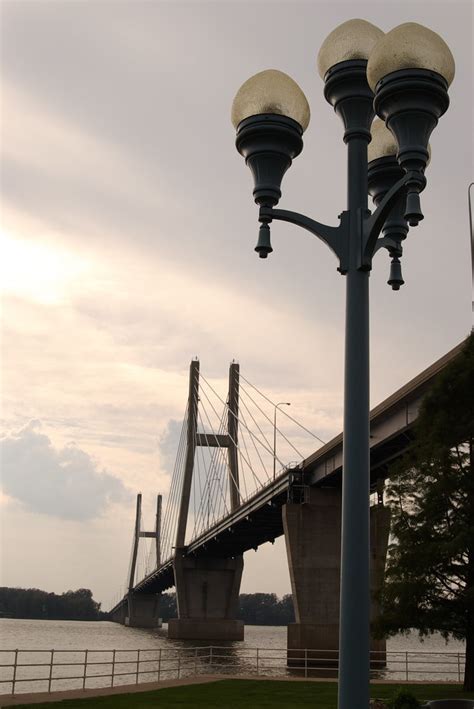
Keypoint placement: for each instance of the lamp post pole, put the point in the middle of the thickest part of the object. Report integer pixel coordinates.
(281, 403)
(354, 592)
(364, 74)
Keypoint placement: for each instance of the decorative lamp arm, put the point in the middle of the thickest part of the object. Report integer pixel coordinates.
(374, 223)
(336, 237)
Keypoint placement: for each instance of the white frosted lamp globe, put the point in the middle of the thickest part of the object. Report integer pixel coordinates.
(354, 39)
(410, 46)
(270, 91)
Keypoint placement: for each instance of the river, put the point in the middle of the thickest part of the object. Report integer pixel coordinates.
(69, 640)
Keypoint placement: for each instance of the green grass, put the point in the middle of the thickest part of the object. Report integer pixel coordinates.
(251, 694)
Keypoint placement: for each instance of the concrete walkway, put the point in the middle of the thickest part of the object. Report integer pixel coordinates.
(7, 700)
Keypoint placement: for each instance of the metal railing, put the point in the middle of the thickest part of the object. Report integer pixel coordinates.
(55, 670)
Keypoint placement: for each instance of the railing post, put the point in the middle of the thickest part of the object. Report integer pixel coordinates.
(210, 656)
(257, 662)
(306, 662)
(138, 666)
(14, 671)
(459, 668)
(179, 661)
(195, 660)
(50, 671)
(85, 669)
(113, 668)
(406, 666)
(159, 665)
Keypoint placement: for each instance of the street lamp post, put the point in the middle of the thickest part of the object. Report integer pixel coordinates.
(403, 77)
(281, 403)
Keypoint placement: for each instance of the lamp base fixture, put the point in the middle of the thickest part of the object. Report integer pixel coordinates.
(268, 142)
(411, 101)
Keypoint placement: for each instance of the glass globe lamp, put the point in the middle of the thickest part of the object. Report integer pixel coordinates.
(342, 63)
(270, 113)
(270, 92)
(353, 40)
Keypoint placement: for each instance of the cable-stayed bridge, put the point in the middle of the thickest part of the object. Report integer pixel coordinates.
(232, 490)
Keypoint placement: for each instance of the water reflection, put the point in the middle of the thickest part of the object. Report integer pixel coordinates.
(143, 655)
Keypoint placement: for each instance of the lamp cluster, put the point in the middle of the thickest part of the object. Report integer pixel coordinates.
(402, 77)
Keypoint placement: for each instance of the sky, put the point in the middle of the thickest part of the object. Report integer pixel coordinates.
(128, 229)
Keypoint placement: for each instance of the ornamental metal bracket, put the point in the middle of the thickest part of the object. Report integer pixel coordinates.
(336, 237)
(372, 225)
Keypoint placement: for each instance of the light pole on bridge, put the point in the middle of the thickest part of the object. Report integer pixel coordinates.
(281, 403)
(403, 77)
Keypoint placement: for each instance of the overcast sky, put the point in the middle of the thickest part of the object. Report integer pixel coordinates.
(128, 230)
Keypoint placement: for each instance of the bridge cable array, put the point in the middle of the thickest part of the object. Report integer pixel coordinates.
(212, 478)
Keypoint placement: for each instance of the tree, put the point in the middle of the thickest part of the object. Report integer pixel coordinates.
(429, 580)
(266, 609)
(168, 607)
(287, 611)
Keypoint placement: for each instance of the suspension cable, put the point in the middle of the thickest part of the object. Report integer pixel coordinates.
(272, 423)
(285, 413)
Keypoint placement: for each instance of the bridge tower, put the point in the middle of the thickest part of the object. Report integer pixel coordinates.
(207, 588)
(142, 609)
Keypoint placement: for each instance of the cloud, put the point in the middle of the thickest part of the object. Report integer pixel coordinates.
(65, 482)
(169, 444)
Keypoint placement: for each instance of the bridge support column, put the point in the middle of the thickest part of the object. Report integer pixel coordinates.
(207, 593)
(143, 610)
(313, 544)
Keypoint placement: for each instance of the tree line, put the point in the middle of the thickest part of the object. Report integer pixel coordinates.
(254, 608)
(32, 603)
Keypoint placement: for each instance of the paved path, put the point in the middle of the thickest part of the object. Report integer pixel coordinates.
(7, 700)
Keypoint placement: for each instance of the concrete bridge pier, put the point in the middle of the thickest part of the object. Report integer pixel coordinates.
(313, 543)
(142, 610)
(207, 593)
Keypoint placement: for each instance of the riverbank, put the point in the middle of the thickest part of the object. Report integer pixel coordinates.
(214, 692)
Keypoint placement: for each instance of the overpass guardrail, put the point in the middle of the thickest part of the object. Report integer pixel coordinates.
(33, 671)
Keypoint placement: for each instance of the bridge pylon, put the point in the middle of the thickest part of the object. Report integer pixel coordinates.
(142, 610)
(207, 588)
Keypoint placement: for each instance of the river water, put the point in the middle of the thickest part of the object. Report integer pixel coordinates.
(36, 639)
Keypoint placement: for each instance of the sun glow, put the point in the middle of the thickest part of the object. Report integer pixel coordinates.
(38, 272)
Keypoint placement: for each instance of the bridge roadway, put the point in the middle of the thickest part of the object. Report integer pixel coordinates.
(259, 518)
